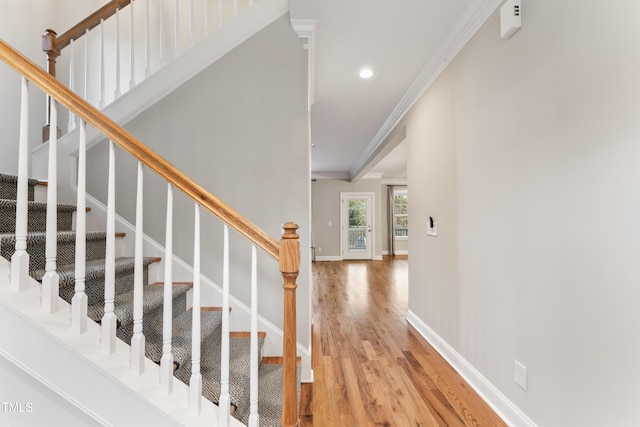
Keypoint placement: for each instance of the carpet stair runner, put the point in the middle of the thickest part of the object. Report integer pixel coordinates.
(270, 393)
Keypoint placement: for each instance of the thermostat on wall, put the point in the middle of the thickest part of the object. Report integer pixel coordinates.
(510, 19)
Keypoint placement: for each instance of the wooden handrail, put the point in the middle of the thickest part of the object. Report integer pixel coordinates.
(89, 23)
(137, 149)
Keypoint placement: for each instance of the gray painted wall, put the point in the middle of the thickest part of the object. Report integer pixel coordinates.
(239, 129)
(526, 152)
(325, 195)
(326, 208)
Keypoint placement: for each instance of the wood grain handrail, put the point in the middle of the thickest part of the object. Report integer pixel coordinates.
(89, 23)
(133, 146)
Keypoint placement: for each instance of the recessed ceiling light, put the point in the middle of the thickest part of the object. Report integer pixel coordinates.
(366, 73)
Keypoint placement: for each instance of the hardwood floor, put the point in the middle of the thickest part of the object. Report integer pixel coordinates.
(371, 368)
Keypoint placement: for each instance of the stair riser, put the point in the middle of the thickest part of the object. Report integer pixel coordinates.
(94, 287)
(239, 369)
(8, 187)
(151, 320)
(36, 248)
(37, 219)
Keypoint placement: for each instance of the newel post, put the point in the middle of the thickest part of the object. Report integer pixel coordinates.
(49, 47)
(290, 267)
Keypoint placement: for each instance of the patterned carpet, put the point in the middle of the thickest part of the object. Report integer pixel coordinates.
(270, 393)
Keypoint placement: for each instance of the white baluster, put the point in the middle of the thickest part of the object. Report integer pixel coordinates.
(108, 338)
(162, 47)
(206, 18)
(225, 401)
(50, 280)
(147, 40)
(254, 418)
(132, 48)
(138, 340)
(116, 93)
(101, 71)
(177, 30)
(86, 65)
(20, 258)
(79, 300)
(195, 383)
(191, 19)
(72, 82)
(166, 363)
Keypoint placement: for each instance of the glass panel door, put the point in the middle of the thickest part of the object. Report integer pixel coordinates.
(357, 225)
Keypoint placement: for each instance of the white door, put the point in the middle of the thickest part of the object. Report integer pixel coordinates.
(356, 225)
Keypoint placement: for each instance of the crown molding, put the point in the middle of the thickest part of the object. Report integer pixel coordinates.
(467, 25)
(306, 30)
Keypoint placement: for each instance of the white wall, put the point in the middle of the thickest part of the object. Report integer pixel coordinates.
(239, 129)
(526, 153)
(25, 402)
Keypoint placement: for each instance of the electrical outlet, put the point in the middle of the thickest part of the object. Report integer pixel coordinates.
(520, 375)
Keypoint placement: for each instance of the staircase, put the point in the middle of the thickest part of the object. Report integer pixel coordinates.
(114, 293)
(211, 317)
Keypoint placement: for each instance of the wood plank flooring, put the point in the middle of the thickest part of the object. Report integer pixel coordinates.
(371, 368)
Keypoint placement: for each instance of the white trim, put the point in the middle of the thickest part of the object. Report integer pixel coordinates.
(344, 220)
(470, 21)
(306, 30)
(402, 252)
(394, 181)
(377, 257)
(329, 258)
(505, 409)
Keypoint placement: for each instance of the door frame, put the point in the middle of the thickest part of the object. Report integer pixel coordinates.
(344, 223)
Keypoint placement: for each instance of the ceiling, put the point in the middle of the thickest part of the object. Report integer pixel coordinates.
(406, 43)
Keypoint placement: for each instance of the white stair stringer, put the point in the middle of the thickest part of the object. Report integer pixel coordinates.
(73, 366)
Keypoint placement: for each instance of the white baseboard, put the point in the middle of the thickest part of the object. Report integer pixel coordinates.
(402, 252)
(377, 257)
(328, 258)
(487, 391)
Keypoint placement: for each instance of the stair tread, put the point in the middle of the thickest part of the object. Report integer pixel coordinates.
(269, 396)
(37, 216)
(154, 318)
(63, 236)
(13, 179)
(210, 324)
(9, 186)
(153, 298)
(239, 363)
(94, 269)
(33, 205)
